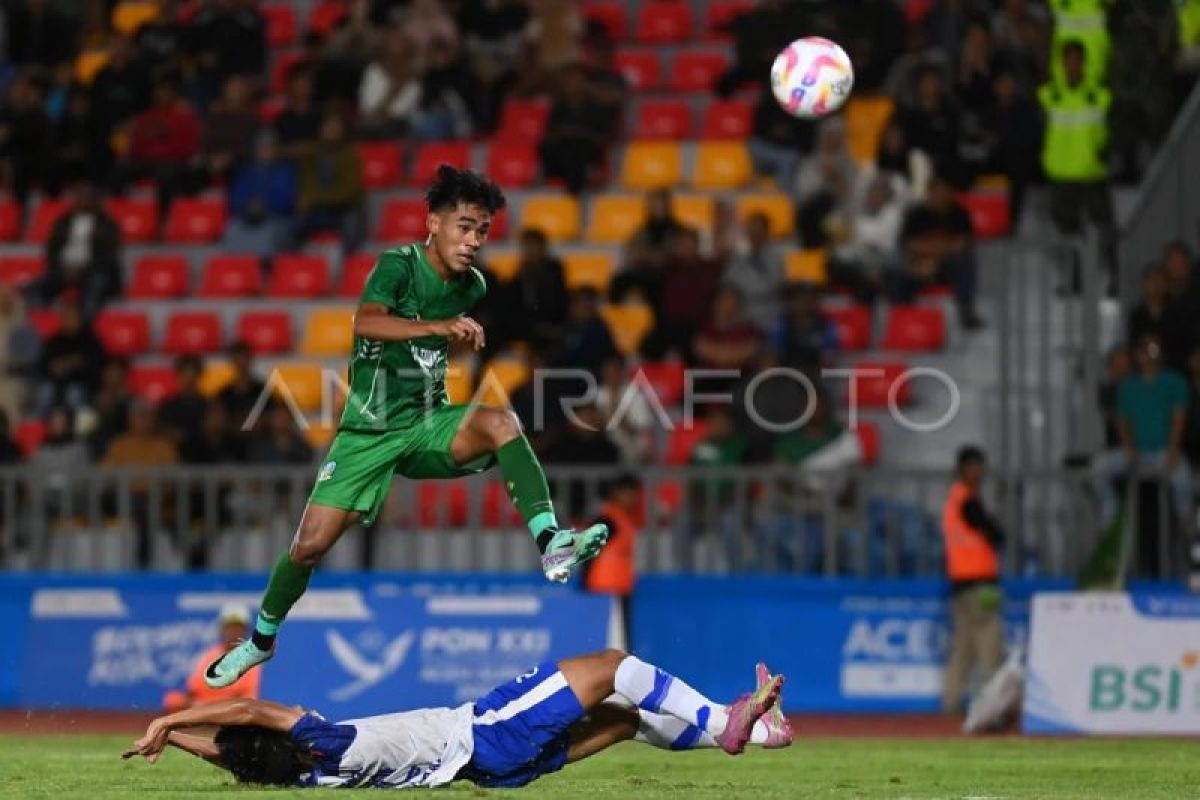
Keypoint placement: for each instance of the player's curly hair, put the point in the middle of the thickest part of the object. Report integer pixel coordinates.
(258, 755)
(453, 186)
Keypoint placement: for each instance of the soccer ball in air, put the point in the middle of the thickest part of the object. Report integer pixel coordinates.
(812, 77)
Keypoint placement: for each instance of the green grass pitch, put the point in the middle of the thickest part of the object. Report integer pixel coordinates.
(89, 767)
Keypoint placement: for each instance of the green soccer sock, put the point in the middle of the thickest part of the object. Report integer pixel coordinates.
(288, 583)
(526, 484)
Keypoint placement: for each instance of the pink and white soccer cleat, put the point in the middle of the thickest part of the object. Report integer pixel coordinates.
(779, 730)
(744, 712)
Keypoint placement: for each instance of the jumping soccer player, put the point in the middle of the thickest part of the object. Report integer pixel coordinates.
(398, 419)
(553, 715)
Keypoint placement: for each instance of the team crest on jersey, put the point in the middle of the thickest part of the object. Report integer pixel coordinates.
(326, 471)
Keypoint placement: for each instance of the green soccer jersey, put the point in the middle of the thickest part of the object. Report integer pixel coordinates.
(393, 384)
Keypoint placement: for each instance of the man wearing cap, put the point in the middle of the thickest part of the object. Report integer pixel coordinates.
(231, 628)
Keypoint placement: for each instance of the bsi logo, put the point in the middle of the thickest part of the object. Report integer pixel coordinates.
(367, 672)
(1146, 688)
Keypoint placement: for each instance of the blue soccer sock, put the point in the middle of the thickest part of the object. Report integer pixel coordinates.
(652, 689)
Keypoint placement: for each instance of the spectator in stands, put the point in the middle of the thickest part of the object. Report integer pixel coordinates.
(759, 33)
(161, 42)
(729, 341)
(825, 187)
(1183, 287)
(122, 89)
(639, 277)
(769, 399)
(757, 271)
(213, 442)
(534, 303)
(164, 141)
(626, 412)
(874, 236)
(24, 137)
(933, 124)
(427, 27)
(19, 349)
(40, 32)
(107, 413)
(278, 441)
(83, 253)
(975, 76)
(949, 22)
(70, 364)
(346, 54)
(804, 335)
(141, 445)
(913, 167)
(1169, 322)
(582, 442)
(493, 31)
(183, 413)
(1021, 31)
(777, 141)
(586, 342)
(229, 130)
(262, 200)
(554, 30)
(232, 627)
(1014, 141)
(1144, 44)
(10, 451)
(1118, 367)
(938, 248)
(299, 123)
(228, 37)
(689, 284)
(244, 390)
(57, 459)
(657, 233)
(390, 93)
(331, 188)
(821, 449)
(711, 504)
(1151, 407)
(449, 93)
(79, 142)
(581, 125)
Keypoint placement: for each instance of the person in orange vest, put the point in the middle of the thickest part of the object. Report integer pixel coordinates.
(614, 571)
(232, 626)
(972, 541)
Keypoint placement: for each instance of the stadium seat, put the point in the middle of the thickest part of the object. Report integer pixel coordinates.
(991, 214)
(460, 382)
(557, 216)
(667, 378)
(328, 332)
(866, 119)
(722, 165)
(381, 167)
(629, 324)
(652, 165)
(727, 119)
(192, 333)
(522, 121)
(682, 440)
(694, 210)
(326, 16)
(609, 14)
(498, 510)
(137, 218)
(319, 436)
(719, 13)
(874, 380)
(196, 220)
(129, 16)
(503, 264)
(355, 270)
(267, 332)
(432, 155)
(868, 440)
(697, 71)
(664, 22)
(299, 380)
(122, 333)
(215, 376)
(281, 70)
(914, 329)
(808, 266)
(281, 24)
(230, 277)
(642, 69)
(594, 269)
(615, 218)
(16, 270)
(402, 220)
(29, 435)
(853, 324)
(296, 276)
(776, 205)
(663, 119)
(153, 383)
(89, 62)
(10, 220)
(159, 278)
(43, 218)
(513, 165)
(46, 321)
(499, 229)
(443, 504)
(500, 378)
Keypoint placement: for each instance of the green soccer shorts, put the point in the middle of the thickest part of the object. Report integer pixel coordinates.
(358, 471)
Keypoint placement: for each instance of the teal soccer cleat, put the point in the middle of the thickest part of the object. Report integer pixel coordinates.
(568, 549)
(234, 664)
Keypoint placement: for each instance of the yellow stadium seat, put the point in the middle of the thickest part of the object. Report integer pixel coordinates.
(629, 323)
(500, 378)
(776, 205)
(133, 14)
(556, 215)
(88, 63)
(319, 436)
(593, 269)
(992, 182)
(807, 266)
(866, 119)
(694, 210)
(215, 377)
(615, 218)
(652, 165)
(721, 165)
(328, 332)
(503, 264)
(460, 383)
(300, 380)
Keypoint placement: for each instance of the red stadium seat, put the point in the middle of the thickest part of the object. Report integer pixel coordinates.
(697, 71)
(442, 504)
(326, 16)
(642, 69)
(267, 332)
(19, 270)
(431, 156)
(875, 379)
(915, 329)
(29, 435)
(298, 276)
(122, 333)
(991, 214)
(159, 278)
(683, 440)
(402, 221)
(663, 119)
(44, 217)
(381, 166)
(868, 441)
(231, 276)
(609, 14)
(664, 22)
(727, 119)
(281, 72)
(46, 321)
(192, 333)
(499, 229)
(196, 220)
(354, 275)
(522, 121)
(137, 218)
(498, 509)
(281, 24)
(513, 165)
(10, 220)
(853, 325)
(666, 378)
(719, 13)
(153, 383)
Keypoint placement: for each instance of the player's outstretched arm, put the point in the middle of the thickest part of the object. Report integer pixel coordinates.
(372, 321)
(241, 711)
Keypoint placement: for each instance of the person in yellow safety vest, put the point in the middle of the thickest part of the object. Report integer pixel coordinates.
(1075, 149)
(1086, 22)
(972, 542)
(1187, 13)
